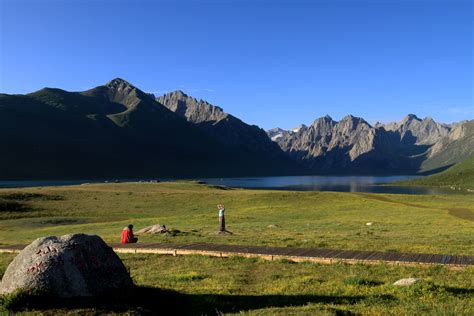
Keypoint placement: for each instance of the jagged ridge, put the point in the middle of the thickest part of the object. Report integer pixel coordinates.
(353, 145)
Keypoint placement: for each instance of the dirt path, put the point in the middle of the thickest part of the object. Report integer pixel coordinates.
(462, 213)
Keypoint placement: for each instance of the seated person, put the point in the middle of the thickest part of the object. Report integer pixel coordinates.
(127, 235)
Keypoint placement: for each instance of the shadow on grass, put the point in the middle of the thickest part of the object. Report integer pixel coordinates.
(361, 281)
(148, 300)
(459, 291)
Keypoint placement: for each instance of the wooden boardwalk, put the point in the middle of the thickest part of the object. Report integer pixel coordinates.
(293, 254)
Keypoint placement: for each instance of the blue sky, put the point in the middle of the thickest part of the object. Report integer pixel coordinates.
(271, 63)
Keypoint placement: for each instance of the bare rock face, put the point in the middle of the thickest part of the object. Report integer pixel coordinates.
(120, 91)
(195, 111)
(422, 131)
(226, 128)
(351, 137)
(353, 145)
(75, 265)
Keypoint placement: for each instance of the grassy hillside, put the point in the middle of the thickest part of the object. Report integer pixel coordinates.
(452, 151)
(459, 177)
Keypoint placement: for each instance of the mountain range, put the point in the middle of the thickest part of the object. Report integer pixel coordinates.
(118, 131)
(352, 145)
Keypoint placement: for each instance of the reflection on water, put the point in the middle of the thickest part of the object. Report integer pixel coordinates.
(370, 184)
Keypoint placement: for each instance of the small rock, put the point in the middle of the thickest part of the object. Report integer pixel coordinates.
(407, 281)
(153, 229)
(273, 226)
(369, 223)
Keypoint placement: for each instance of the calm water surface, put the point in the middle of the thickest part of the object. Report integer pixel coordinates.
(369, 184)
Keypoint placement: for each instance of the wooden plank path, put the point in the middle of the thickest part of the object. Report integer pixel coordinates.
(294, 254)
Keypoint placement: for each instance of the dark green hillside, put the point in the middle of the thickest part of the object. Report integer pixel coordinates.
(75, 102)
(112, 131)
(460, 176)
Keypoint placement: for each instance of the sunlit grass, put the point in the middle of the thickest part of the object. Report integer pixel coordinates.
(410, 223)
(211, 285)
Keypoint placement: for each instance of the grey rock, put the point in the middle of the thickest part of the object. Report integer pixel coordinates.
(407, 281)
(75, 265)
(424, 131)
(153, 229)
(196, 111)
(330, 140)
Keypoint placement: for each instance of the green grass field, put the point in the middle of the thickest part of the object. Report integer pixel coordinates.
(408, 223)
(203, 285)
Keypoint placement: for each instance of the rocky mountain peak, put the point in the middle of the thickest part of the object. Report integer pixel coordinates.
(428, 119)
(298, 128)
(324, 119)
(325, 123)
(425, 131)
(410, 118)
(121, 91)
(352, 121)
(178, 94)
(119, 84)
(194, 110)
(275, 133)
(351, 117)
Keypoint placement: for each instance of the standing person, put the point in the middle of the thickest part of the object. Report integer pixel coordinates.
(127, 235)
(221, 209)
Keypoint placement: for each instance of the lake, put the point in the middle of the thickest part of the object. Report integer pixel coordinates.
(369, 184)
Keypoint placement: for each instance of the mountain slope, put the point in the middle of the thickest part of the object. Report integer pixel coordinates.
(420, 131)
(115, 130)
(231, 132)
(455, 147)
(459, 176)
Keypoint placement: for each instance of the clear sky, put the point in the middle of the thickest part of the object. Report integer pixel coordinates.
(270, 63)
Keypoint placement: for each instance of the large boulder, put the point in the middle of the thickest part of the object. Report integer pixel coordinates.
(67, 266)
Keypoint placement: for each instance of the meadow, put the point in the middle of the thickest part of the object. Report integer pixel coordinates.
(406, 223)
(198, 284)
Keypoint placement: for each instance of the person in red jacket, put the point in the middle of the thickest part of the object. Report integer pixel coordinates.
(127, 235)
